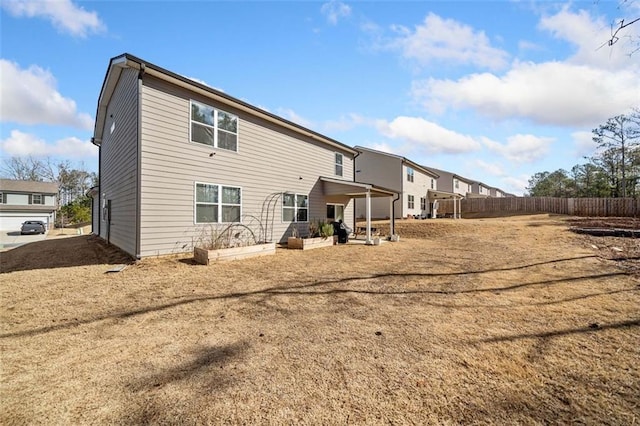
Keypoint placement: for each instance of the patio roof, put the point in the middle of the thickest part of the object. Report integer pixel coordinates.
(442, 195)
(353, 189)
(342, 188)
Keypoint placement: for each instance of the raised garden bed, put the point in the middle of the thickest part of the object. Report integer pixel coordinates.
(205, 257)
(309, 243)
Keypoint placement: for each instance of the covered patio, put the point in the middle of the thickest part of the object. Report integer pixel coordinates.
(354, 190)
(434, 196)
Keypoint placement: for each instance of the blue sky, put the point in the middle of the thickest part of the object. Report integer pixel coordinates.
(491, 90)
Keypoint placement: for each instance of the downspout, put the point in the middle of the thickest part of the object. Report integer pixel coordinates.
(139, 163)
(354, 179)
(93, 141)
(393, 213)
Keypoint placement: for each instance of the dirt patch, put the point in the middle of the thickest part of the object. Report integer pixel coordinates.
(625, 251)
(61, 251)
(605, 222)
(507, 321)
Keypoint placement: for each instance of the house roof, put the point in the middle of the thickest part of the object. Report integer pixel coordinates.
(10, 185)
(444, 172)
(126, 60)
(413, 164)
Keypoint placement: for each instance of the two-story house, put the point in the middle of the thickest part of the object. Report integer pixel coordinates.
(177, 157)
(27, 200)
(479, 190)
(496, 192)
(416, 185)
(451, 182)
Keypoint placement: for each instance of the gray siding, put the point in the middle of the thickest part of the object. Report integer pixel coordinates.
(384, 171)
(118, 164)
(270, 160)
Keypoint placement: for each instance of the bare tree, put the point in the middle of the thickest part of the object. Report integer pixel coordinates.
(27, 168)
(619, 137)
(617, 28)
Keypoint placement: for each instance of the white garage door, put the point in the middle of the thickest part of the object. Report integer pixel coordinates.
(13, 223)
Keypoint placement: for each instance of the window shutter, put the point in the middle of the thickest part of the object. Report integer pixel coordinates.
(30, 199)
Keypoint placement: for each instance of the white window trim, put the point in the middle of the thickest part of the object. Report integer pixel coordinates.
(214, 127)
(219, 203)
(410, 174)
(335, 160)
(411, 200)
(41, 203)
(337, 204)
(295, 209)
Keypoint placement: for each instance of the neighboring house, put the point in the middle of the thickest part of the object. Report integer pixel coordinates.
(451, 182)
(416, 185)
(179, 159)
(479, 190)
(26, 200)
(497, 193)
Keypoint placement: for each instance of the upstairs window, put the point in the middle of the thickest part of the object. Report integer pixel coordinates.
(456, 183)
(295, 208)
(339, 163)
(432, 184)
(210, 126)
(217, 203)
(36, 199)
(409, 174)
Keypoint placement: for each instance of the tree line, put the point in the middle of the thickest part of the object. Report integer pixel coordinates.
(612, 171)
(73, 184)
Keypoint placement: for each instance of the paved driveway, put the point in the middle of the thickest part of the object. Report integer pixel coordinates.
(11, 239)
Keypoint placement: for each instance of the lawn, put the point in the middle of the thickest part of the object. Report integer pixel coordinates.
(504, 320)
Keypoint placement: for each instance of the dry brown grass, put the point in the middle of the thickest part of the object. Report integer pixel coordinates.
(477, 321)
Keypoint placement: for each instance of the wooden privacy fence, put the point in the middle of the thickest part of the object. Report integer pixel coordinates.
(484, 207)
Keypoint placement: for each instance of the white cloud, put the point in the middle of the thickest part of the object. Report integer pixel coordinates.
(335, 10)
(197, 80)
(521, 148)
(291, 115)
(547, 93)
(584, 143)
(29, 96)
(427, 135)
(385, 147)
(489, 168)
(446, 40)
(20, 144)
(527, 45)
(63, 14)
(516, 185)
(590, 35)
(347, 122)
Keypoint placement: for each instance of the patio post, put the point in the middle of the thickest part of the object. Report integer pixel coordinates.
(368, 202)
(455, 207)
